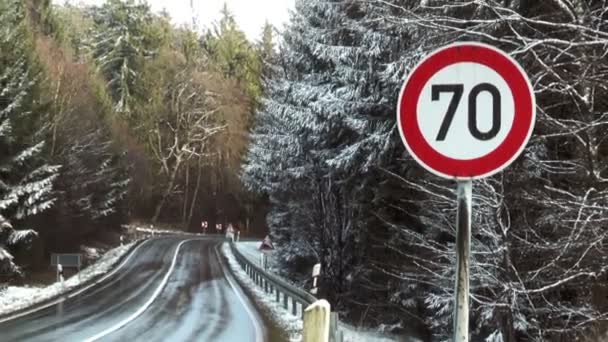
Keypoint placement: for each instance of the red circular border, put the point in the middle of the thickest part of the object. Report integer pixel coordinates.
(500, 157)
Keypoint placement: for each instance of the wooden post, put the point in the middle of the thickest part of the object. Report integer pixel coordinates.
(316, 322)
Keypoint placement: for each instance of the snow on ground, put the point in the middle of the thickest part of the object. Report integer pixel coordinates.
(16, 297)
(157, 231)
(352, 334)
(154, 231)
(90, 253)
(150, 229)
(250, 250)
(291, 324)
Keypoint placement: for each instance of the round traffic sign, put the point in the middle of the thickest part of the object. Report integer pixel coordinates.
(466, 111)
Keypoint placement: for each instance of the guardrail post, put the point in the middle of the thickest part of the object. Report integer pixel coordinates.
(285, 298)
(294, 307)
(335, 335)
(316, 322)
(278, 295)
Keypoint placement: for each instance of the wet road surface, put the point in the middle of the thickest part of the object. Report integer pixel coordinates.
(200, 301)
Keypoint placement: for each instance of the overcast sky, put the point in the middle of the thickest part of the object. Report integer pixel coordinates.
(250, 14)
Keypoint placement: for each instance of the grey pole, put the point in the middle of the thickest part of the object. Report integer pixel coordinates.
(463, 250)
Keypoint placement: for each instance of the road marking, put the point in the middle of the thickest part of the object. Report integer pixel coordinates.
(259, 337)
(148, 303)
(74, 294)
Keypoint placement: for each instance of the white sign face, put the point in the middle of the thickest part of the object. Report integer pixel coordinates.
(316, 270)
(466, 111)
(457, 84)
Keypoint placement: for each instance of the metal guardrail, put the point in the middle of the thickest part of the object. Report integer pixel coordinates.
(284, 291)
(273, 284)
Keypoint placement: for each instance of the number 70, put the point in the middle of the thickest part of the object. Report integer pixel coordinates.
(458, 90)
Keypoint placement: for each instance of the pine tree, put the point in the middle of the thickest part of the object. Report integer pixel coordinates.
(325, 151)
(118, 44)
(93, 183)
(320, 119)
(26, 183)
(232, 54)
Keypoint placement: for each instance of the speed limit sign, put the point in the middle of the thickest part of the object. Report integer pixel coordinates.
(466, 111)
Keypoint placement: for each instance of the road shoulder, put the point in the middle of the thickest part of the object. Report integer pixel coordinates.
(53, 294)
(281, 325)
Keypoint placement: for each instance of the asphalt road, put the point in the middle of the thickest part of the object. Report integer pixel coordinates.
(161, 294)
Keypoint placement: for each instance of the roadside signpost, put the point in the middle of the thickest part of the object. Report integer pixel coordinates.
(265, 247)
(316, 272)
(266, 244)
(66, 260)
(60, 261)
(230, 232)
(466, 112)
(60, 274)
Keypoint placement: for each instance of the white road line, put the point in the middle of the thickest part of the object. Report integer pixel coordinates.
(259, 337)
(74, 294)
(148, 303)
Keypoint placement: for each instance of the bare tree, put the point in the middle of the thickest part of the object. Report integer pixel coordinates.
(539, 237)
(182, 133)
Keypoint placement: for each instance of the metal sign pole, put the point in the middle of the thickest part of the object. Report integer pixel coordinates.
(463, 249)
(437, 143)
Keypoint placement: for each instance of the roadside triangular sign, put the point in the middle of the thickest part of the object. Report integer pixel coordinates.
(266, 244)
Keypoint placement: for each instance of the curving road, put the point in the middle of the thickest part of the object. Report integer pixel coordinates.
(170, 289)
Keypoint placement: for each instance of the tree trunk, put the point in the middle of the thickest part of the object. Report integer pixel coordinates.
(508, 333)
(167, 192)
(185, 204)
(195, 194)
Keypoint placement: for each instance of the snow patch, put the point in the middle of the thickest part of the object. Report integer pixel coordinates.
(20, 297)
(352, 334)
(19, 236)
(157, 231)
(4, 255)
(291, 324)
(152, 230)
(90, 253)
(249, 249)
